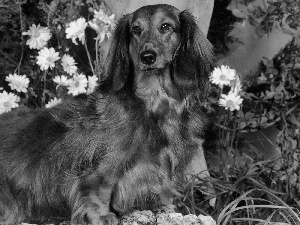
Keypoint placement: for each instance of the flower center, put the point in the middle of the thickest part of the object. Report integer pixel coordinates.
(36, 34)
(230, 104)
(6, 104)
(223, 77)
(77, 84)
(49, 59)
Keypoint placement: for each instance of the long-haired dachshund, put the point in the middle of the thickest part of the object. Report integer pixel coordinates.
(128, 145)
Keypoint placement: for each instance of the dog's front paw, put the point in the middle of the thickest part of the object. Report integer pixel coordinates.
(96, 219)
(170, 208)
(109, 219)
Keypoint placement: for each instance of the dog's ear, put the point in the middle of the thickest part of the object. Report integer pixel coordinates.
(194, 58)
(118, 59)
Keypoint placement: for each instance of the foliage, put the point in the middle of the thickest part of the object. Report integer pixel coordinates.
(233, 177)
(253, 207)
(275, 99)
(272, 94)
(56, 16)
(247, 197)
(270, 97)
(10, 38)
(270, 15)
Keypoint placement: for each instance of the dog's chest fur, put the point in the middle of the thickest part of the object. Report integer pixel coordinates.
(157, 150)
(158, 93)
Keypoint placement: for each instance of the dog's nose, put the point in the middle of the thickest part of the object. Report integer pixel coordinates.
(148, 57)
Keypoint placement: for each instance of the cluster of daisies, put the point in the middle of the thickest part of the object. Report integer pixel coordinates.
(224, 75)
(19, 83)
(76, 83)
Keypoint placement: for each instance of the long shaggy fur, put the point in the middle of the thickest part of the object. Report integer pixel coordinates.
(128, 144)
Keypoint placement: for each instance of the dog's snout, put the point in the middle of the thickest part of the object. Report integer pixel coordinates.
(148, 57)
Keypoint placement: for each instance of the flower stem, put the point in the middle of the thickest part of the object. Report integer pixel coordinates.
(89, 56)
(97, 57)
(44, 89)
(22, 51)
(234, 129)
(219, 116)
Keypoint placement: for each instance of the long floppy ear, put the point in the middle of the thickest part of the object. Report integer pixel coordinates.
(193, 59)
(118, 60)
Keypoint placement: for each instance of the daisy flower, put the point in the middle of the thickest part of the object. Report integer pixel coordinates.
(102, 16)
(53, 102)
(93, 24)
(231, 101)
(105, 32)
(76, 29)
(8, 101)
(78, 84)
(110, 20)
(101, 29)
(17, 82)
(47, 58)
(92, 83)
(236, 86)
(38, 36)
(68, 64)
(102, 24)
(61, 80)
(222, 75)
(99, 14)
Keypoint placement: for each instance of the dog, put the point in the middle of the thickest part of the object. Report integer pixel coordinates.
(127, 145)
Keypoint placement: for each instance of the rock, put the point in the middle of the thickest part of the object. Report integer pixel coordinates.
(149, 218)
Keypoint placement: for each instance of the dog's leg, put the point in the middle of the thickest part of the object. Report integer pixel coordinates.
(99, 212)
(167, 197)
(10, 212)
(167, 204)
(93, 201)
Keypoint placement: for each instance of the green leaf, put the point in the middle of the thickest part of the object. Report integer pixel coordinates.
(294, 120)
(237, 13)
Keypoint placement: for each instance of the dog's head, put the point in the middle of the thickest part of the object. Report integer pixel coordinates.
(159, 40)
(155, 35)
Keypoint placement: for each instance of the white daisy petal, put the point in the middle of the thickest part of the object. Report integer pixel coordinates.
(92, 83)
(47, 58)
(18, 82)
(99, 14)
(78, 84)
(53, 102)
(222, 75)
(8, 101)
(236, 86)
(39, 36)
(76, 29)
(231, 101)
(68, 63)
(61, 80)
(102, 24)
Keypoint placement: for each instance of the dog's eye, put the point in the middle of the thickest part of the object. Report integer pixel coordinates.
(165, 27)
(136, 30)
